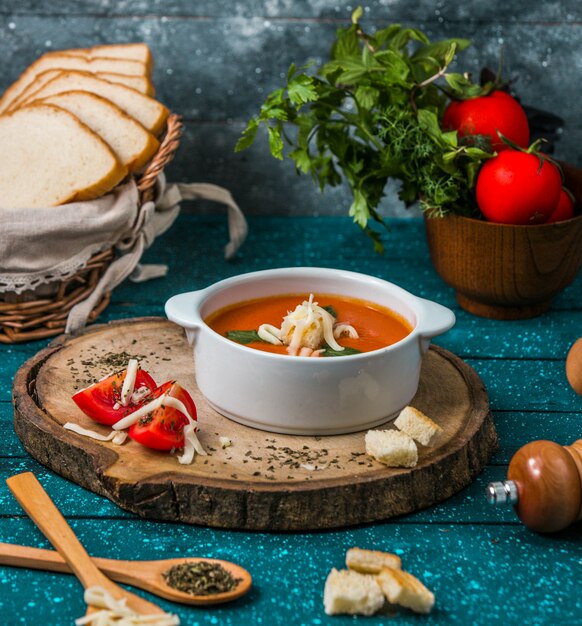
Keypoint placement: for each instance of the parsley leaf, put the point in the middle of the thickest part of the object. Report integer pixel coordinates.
(248, 135)
(327, 351)
(244, 336)
(331, 310)
(301, 89)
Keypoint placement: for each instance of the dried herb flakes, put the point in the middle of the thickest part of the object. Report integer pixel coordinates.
(200, 578)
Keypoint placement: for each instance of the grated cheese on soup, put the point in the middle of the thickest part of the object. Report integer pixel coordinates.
(306, 329)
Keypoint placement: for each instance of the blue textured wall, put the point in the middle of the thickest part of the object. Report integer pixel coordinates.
(217, 59)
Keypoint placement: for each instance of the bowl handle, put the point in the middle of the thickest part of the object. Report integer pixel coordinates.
(183, 310)
(434, 319)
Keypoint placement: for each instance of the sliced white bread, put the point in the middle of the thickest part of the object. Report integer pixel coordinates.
(140, 83)
(371, 561)
(132, 51)
(133, 145)
(348, 592)
(391, 447)
(418, 426)
(404, 589)
(48, 157)
(147, 111)
(39, 81)
(63, 61)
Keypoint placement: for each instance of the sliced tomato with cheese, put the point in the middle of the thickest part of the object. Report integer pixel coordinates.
(162, 428)
(114, 397)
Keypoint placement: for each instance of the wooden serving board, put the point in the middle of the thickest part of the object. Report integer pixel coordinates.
(263, 481)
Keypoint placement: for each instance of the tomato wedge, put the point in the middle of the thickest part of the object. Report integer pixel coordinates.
(101, 401)
(163, 429)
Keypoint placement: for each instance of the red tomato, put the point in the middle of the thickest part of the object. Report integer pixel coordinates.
(564, 210)
(163, 429)
(512, 188)
(98, 400)
(486, 115)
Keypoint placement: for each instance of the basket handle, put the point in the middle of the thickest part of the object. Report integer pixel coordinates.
(162, 157)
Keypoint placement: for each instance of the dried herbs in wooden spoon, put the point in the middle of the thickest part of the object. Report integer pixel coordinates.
(200, 578)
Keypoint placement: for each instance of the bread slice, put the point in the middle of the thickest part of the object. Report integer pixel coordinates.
(147, 111)
(351, 593)
(39, 81)
(63, 61)
(371, 561)
(418, 426)
(404, 589)
(131, 51)
(133, 145)
(140, 83)
(48, 157)
(391, 447)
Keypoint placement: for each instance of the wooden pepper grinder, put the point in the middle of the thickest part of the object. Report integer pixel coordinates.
(544, 484)
(544, 479)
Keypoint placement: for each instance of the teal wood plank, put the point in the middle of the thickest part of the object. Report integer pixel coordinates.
(527, 385)
(516, 428)
(544, 337)
(10, 444)
(11, 358)
(481, 575)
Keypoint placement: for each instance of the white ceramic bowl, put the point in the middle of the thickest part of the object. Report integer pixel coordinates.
(302, 395)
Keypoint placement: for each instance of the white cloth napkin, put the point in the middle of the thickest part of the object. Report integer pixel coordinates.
(42, 246)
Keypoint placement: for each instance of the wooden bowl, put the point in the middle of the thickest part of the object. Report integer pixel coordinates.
(508, 272)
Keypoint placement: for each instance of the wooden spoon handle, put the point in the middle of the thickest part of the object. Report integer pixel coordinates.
(34, 558)
(43, 512)
(51, 561)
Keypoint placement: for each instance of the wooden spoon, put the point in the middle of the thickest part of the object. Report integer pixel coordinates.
(143, 574)
(42, 511)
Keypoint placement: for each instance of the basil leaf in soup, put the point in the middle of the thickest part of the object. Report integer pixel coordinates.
(327, 351)
(244, 336)
(330, 310)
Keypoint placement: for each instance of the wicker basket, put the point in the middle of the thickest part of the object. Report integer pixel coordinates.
(36, 315)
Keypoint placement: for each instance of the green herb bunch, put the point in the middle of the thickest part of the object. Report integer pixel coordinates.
(372, 113)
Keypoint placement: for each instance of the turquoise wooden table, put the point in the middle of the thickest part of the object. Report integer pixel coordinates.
(483, 565)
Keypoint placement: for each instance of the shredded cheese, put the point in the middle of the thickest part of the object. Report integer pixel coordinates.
(129, 381)
(191, 443)
(312, 468)
(310, 352)
(139, 393)
(341, 330)
(146, 409)
(305, 329)
(270, 334)
(115, 437)
(117, 613)
(225, 442)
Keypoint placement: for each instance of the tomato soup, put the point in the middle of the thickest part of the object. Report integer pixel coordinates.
(376, 326)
